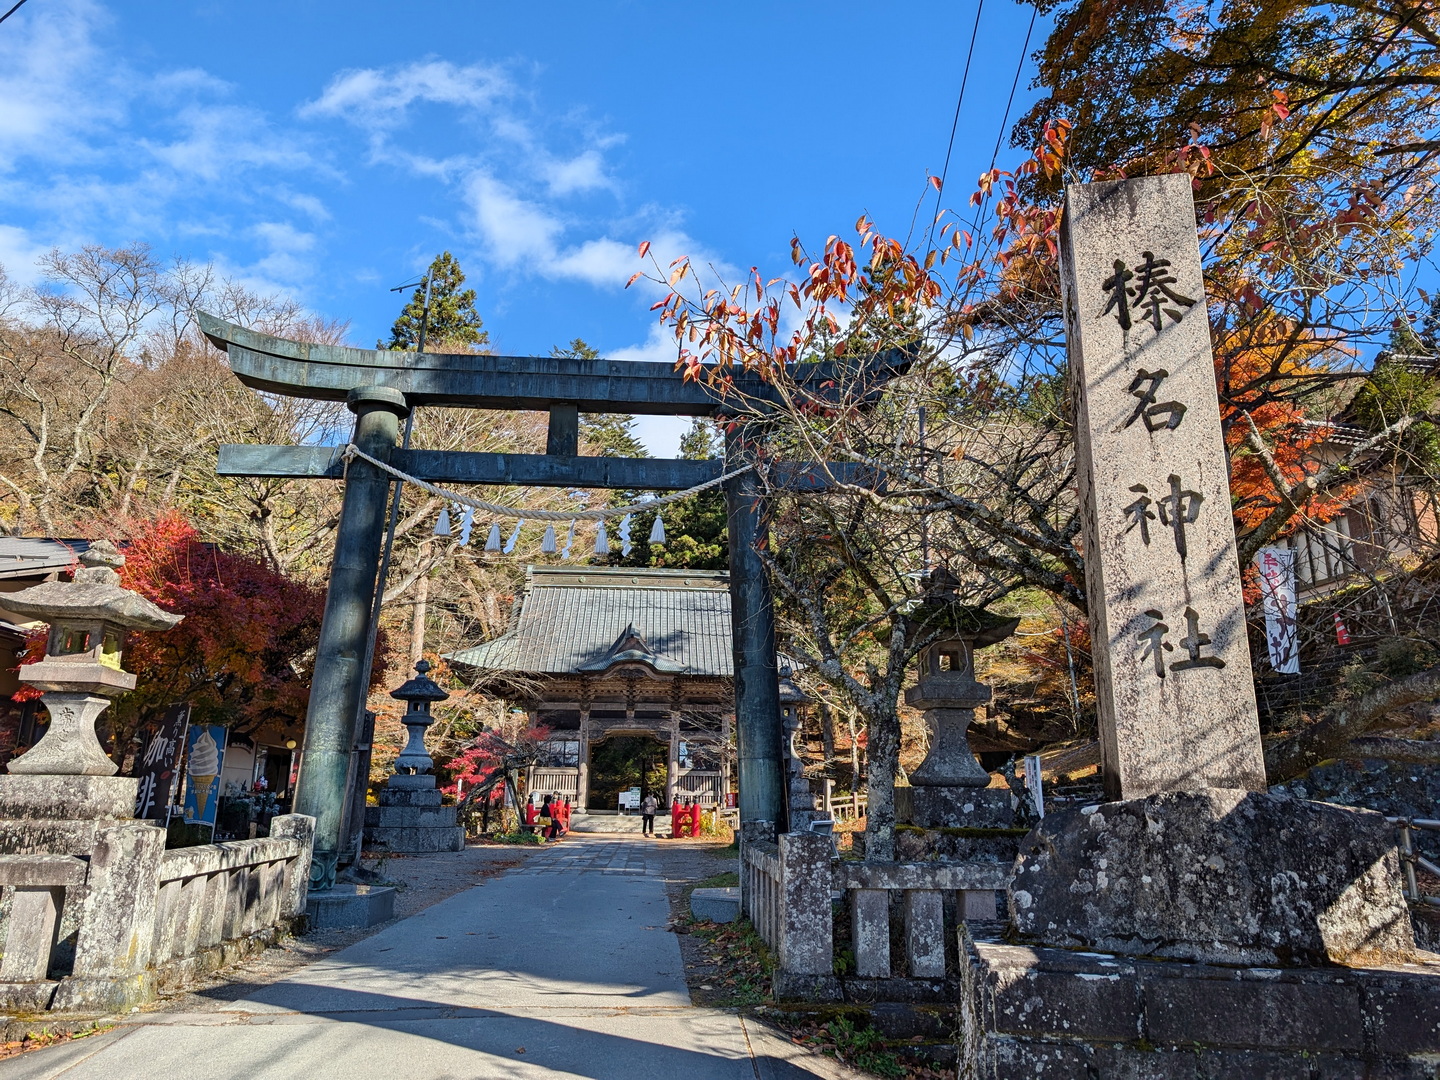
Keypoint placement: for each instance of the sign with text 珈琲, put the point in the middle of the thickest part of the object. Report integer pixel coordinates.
(155, 764)
(1176, 700)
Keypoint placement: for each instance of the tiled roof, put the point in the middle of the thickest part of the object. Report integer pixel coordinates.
(36, 556)
(570, 617)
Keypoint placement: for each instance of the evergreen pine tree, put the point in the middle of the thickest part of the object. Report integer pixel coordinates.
(702, 441)
(453, 318)
(695, 528)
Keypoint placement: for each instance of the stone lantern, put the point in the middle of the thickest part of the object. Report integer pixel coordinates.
(81, 670)
(799, 796)
(410, 818)
(414, 765)
(950, 788)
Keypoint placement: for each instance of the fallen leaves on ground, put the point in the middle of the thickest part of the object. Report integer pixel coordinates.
(41, 1039)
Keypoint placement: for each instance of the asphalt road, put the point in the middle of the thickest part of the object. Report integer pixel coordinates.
(561, 967)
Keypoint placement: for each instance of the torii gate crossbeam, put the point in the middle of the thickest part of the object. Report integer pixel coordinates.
(381, 386)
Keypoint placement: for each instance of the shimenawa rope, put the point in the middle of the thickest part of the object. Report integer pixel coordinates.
(351, 452)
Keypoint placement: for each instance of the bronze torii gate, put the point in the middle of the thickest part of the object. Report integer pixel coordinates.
(381, 387)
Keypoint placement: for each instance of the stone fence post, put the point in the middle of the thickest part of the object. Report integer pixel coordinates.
(117, 921)
(296, 827)
(806, 939)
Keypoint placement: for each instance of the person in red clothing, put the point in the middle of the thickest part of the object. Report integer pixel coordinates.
(565, 816)
(531, 813)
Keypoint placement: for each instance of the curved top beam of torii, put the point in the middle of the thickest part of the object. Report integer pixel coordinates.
(477, 381)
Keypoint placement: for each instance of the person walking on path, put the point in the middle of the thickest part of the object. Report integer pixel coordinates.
(546, 820)
(648, 806)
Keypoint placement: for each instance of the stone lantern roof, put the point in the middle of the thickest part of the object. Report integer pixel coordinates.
(421, 687)
(95, 595)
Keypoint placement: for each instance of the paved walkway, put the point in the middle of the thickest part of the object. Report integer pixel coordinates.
(562, 967)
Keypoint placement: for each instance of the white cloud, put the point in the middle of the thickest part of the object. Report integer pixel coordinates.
(53, 87)
(659, 346)
(599, 262)
(290, 250)
(376, 99)
(585, 172)
(661, 434)
(526, 235)
(221, 140)
(19, 254)
(516, 231)
(309, 205)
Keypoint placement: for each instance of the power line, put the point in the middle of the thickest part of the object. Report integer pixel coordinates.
(12, 11)
(955, 123)
(1004, 120)
(1014, 85)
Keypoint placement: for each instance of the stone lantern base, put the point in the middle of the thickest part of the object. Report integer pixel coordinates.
(955, 807)
(410, 819)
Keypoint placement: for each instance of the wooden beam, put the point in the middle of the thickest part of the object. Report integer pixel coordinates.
(527, 383)
(521, 470)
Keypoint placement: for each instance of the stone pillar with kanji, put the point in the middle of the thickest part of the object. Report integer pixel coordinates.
(1192, 859)
(1176, 699)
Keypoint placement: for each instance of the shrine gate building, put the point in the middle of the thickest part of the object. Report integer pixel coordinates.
(599, 653)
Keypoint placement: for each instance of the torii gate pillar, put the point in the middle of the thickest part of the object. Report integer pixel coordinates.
(752, 618)
(338, 684)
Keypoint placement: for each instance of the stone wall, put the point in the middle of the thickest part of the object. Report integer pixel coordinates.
(108, 928)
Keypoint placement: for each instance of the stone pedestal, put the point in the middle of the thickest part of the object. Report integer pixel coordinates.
(950, 789)
(1220, 876)
(720, 905)
(1053, 1014)
(955, 807)
(410, 819)
(347, 906)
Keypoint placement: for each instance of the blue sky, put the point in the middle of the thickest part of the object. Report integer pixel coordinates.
(329, 150)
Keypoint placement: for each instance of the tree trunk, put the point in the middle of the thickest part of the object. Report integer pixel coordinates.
(883, 758)
(827, 733)
(854, 763)
(417, 621)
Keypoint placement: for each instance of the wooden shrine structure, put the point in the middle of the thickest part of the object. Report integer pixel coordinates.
(593, 653)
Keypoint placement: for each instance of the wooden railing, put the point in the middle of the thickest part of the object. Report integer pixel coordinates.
(707, 785)
(844, 807)
(553, 780)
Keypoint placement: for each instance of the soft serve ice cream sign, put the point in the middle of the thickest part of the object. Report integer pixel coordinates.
(205, 752)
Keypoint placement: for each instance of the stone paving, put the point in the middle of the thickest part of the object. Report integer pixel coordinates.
(560, 967)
